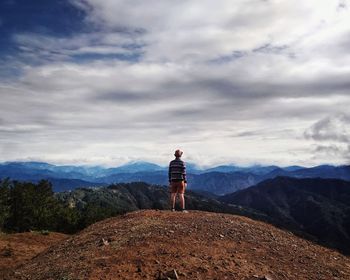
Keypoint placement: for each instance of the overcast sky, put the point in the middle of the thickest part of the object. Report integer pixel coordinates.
(112, 81)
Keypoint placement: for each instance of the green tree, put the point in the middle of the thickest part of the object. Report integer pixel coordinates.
(68, 220)
(46, 207)
(93, 213)
(32, 207)
(4, 202)
(20, 218)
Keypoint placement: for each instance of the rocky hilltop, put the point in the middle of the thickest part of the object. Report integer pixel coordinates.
(154, 244)
(18, 248)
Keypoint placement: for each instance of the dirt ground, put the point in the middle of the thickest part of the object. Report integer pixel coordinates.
(17, 248)
(197, 245)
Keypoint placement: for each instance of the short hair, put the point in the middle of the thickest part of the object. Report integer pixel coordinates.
(178, 153)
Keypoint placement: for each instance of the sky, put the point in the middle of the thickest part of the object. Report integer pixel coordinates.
(111, 81)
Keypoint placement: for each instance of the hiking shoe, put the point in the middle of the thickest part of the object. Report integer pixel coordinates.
(184, 211)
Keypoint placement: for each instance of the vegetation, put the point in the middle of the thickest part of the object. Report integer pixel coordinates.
(316, 207)
(26, 206)
(4, 202)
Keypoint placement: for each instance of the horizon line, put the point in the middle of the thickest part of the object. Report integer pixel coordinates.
(196, 165)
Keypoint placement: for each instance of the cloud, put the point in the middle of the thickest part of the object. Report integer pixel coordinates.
(122, 105)
(325, 153)
(332, 137)
(334, 128)
(39, 48)
(229, 82)
(199, 30)
(331, 150)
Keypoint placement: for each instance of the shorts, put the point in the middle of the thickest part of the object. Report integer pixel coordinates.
(177, 187)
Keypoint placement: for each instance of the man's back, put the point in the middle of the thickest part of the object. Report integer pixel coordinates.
(177, 170)
(177, 180)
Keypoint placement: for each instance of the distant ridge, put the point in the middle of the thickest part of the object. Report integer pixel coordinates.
(220, 180)
(319, 207)
(126, 197)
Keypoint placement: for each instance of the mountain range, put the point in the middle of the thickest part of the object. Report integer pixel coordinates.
(218, 180)
(313, 202)
(127, 197)
(315, 206)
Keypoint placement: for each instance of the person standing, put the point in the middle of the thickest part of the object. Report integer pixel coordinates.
(177, 180)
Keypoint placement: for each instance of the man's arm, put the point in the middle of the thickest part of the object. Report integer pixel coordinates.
(169, 172)
(184, 173)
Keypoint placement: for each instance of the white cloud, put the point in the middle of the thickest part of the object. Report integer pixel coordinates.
(226, 81)
(203, 29)
(332, 128)
(331, 136)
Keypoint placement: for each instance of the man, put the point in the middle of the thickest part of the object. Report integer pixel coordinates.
(177, 180)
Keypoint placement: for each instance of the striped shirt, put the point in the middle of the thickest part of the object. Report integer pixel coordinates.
(177, 171)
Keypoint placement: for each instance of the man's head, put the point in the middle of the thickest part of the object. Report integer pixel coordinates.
(178, 153)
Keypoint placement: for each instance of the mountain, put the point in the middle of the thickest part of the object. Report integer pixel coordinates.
(140, 245)
(217, 183)
(71, 177)
(192, 168)
(40, 170)
(134, 167)
(319, 207)
(25, 171)
(31, 164)
(224, 168)
(155, 177)
(220, 183)
(322, 171)
(203, 180)
(292, 168)
(86, 172)
(255, 169)
(61, 184)
(126, 197)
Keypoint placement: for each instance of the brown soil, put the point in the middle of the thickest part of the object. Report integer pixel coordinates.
(198, 245)
(17, 248)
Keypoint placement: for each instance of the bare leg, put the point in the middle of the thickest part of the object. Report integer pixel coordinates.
(182, 200)
(173, 199)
